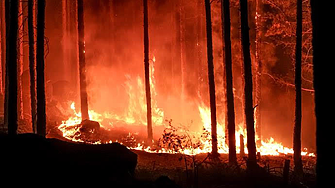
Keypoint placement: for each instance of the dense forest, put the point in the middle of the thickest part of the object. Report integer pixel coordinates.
(221, 88)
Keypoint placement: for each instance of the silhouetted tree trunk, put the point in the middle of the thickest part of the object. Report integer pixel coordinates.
(146, 68)
(40, 78)
(11, 67)
(82, 63)
(32, 70)
(225, 13)
(324, 96)
(211, 76)
(258, 79)
(2, 47)
(248, 109)
(297, 124)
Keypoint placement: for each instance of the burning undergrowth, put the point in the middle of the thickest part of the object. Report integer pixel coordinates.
(174, 139)
(128, 125)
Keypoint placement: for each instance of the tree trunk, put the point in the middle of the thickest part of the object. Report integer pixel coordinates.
(20, 62)
(297, 124)
(11, 67)
(182, 54)
(31, 34)
(248, 109)
(6, 88)
(211, 76)
(146, 69)
(324, 96)
(258, 79)
(40, 78)
(82, 63)
(65, 40)
(230, 115)
(2, 48)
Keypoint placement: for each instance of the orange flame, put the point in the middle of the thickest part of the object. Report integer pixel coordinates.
(135, 113)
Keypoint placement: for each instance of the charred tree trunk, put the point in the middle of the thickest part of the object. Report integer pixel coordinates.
(225, 13)
(211, 76)
(11, 64)
(324, 97)
(258, 79)
(82, 63)
(40, 79)
(146, 69)
(248, 109)
(297, 124)
(31, 34)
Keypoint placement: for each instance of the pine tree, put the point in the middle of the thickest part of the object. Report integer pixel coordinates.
(146, 69)
(11, 65)
(248, 109)
(32, 64)
(297, 124)
(82, 63)
(40, 77)
(211, 77)
(225, 13)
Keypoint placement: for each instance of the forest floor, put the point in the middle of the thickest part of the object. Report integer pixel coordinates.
(201, 171)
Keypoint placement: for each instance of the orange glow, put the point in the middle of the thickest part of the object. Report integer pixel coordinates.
(135, 114)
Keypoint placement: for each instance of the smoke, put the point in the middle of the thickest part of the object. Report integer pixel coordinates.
(114, 58)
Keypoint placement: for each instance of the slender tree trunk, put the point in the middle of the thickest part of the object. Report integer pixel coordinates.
(324, 96)
(211, 77)
(40, 77)
(32, 65)
(82, 63)
(199, 44)
(3, 47)
(65, 39)
(7, 25)
(11, 61)
(297, 124)
(2, 50)
(182, 54)
(258, 79)
(146, 69)
(225, 13)
(20, 62)
(248, 109)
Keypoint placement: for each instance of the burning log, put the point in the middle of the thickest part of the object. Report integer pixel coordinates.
(88, 126)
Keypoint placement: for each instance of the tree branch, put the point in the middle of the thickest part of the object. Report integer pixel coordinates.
(280, 81)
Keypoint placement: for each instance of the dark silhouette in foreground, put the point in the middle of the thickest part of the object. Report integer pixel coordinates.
(28, 157)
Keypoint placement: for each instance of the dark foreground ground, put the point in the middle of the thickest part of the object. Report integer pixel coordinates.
(29, 159)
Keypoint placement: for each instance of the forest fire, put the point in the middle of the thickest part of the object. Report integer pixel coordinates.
(200, 93)
(70, 131)
(135, 114)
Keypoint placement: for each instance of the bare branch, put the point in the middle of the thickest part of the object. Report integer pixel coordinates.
(281, 81)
